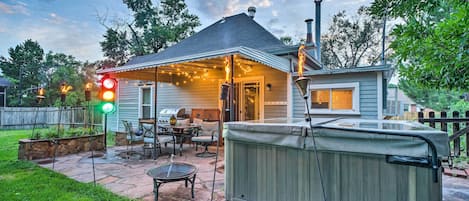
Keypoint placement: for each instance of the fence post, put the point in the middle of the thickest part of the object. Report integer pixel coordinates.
(456, 142)
(444, 125)
(467, 135)
(432, 119)
(420, 117)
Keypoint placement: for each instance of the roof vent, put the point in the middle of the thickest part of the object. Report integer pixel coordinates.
(251, 12)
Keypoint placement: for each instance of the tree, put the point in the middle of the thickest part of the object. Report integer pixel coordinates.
(152, 29)
(350, 42)
(287, 40)
(25, 70)
(64, 69)
(438, 100)
(431, 46)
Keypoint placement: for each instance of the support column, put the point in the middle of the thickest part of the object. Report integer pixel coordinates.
(232, 90)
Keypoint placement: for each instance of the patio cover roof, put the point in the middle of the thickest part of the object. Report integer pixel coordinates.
(267, 59)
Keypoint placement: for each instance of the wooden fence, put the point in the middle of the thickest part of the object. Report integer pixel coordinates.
(27, 117)
(460, 127)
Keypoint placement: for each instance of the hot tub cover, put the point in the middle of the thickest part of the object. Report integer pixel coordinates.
(342, 135)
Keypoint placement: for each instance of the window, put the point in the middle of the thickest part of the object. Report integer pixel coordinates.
(145, 104)
(406, 107)
(340, 98)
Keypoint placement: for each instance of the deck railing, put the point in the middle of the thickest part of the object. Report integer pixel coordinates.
(457, 125)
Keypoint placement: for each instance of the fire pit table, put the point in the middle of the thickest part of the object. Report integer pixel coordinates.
(172, 172)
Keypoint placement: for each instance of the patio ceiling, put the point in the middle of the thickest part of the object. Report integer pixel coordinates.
(194, 66)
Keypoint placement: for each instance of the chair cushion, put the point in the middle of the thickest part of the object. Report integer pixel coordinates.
(204, 139)
(198, 121)
(135, 138)
(183, 122)
(207, 128)
(161, 139)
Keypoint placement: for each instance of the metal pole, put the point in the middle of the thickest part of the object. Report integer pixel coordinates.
(155, 125)
(232, 91)
(105, 132)
(318, 29)
(383, 60)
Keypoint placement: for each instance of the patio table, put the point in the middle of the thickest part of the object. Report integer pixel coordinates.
(178, 131)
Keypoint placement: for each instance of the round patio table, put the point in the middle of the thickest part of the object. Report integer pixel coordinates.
(172, 172)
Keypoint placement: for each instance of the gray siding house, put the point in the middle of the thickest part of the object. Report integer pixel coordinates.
(262, 71)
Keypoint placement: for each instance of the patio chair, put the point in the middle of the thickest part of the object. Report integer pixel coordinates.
(207, 135)
(133, 135)
(162, 137)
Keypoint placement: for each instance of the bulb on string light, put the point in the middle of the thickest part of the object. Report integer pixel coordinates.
(177, 83)
(184, 82)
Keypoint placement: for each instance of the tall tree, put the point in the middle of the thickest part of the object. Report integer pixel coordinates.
(25, 70)
(431, 46)
(64, 69)
(352, 41)
(152, 29)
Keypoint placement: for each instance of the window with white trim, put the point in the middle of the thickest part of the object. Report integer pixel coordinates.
(145, 103)
(340, 98)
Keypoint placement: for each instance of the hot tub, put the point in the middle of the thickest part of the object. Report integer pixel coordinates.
(360, 160)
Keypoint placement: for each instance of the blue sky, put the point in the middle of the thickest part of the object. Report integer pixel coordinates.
(72, 26)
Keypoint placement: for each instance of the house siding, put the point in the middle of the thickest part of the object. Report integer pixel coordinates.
(368, 94)
(197, 94)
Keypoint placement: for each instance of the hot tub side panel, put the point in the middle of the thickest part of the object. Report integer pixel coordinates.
(265, 172)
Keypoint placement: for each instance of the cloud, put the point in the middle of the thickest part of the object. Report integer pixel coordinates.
(275, 13)
(18, 8)
(55, 19)
(71, 38)
(218, 9)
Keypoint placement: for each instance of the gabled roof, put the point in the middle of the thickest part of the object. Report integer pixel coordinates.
(234, 31)
(273, 61)
(4, 82)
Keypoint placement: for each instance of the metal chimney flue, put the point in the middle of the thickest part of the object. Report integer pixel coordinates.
(309, 32)
(318, 29)
(252, 12)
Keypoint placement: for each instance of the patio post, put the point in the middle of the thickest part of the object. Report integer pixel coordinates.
(232, 91)
(155, 125)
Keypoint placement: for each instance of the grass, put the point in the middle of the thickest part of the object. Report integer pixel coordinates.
(24, 180)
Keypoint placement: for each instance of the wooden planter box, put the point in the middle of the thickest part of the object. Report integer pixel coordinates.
(39, 149)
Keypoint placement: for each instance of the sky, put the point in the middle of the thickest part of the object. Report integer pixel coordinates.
(73, 26)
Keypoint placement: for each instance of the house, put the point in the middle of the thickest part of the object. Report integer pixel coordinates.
(4, 84)
(398, 103)
(258, 66)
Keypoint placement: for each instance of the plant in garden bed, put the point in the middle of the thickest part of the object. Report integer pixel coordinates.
(53, 133)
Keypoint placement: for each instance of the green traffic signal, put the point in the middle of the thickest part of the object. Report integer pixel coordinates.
(108, 108)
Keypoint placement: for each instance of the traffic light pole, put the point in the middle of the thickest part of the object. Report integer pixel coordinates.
(105, 132)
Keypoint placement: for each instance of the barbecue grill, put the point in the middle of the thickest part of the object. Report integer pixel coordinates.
(165, 115)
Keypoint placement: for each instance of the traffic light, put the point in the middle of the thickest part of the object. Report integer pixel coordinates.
(108, 94)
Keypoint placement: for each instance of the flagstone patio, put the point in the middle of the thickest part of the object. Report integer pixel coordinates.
(128, 177)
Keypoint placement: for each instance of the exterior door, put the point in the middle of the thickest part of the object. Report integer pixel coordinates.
(248, 100)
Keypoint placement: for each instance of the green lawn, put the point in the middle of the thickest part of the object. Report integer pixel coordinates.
(23, 180)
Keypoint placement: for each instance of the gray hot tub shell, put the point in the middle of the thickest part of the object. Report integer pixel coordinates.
(273, 160)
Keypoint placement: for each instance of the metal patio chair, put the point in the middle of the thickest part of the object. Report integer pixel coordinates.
(163, 136)
(133, 135)
(207, 135)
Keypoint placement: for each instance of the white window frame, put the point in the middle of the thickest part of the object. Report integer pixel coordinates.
(140, 99)
(355, 86)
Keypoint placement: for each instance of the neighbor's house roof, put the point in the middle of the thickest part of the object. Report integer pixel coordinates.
(4, 82)
(234, 34)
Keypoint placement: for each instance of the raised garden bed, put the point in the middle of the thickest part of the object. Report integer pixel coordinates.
(31, 149)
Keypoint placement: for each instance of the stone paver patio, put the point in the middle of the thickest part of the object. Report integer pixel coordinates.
(128, 177)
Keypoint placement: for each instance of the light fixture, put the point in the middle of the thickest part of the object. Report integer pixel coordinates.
(269, 87)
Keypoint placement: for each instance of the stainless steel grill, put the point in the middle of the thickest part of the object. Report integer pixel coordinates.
(165, 114)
